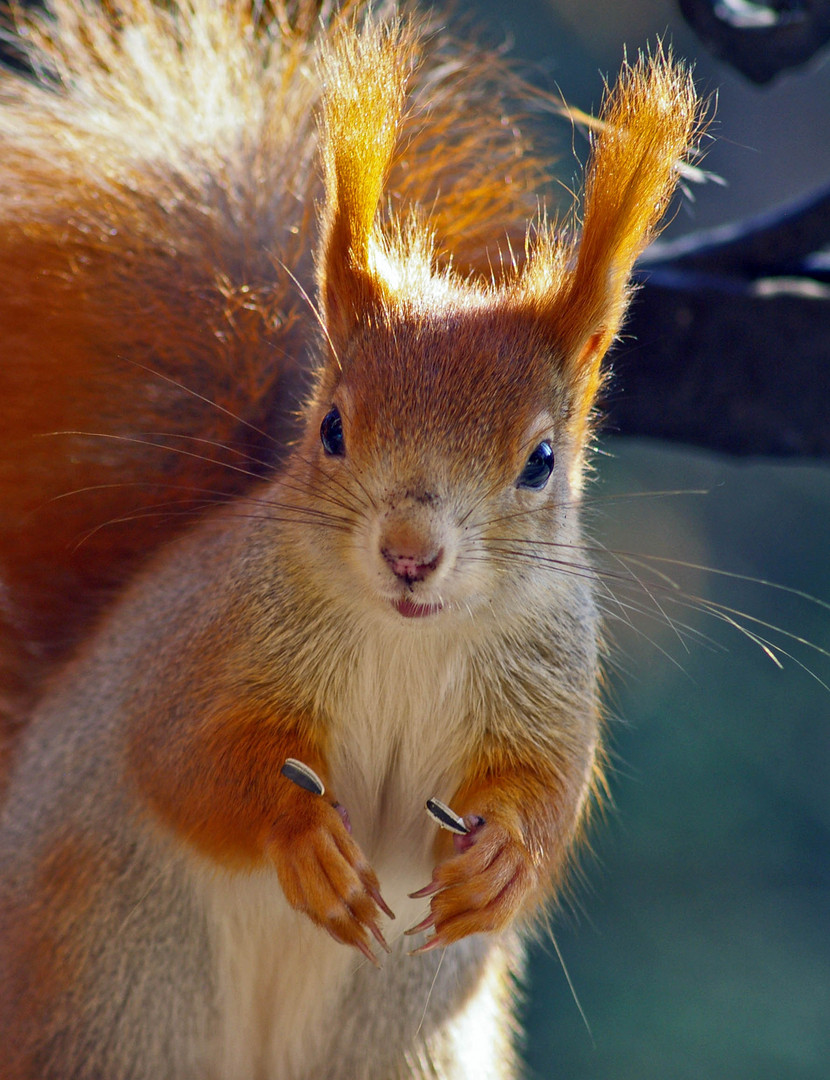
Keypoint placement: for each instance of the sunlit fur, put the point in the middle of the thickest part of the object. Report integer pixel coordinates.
(159, 193)
(161, 279)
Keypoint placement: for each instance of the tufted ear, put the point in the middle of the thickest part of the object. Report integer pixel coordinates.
(366, 77)
(648, 125)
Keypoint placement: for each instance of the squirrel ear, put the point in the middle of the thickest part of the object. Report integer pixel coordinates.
(366, 79)
(647, 126)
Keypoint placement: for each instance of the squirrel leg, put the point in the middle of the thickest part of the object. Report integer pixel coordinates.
(222, 788)
(520, 823)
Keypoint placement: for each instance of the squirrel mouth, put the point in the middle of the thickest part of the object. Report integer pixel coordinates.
(410, 610)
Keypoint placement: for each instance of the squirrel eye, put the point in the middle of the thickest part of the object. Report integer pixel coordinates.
(538, 467)
(331, 433)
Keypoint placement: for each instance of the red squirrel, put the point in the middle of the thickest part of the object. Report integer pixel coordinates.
(243, 649)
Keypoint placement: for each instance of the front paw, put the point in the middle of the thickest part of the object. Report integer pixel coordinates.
(481, 888)
(324, 874)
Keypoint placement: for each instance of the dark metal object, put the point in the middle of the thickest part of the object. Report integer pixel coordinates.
(761, 38)
(728, 342)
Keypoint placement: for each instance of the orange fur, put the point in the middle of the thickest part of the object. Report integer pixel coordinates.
(219, 786)
(158, 193)
(649, 125)
(150, 331)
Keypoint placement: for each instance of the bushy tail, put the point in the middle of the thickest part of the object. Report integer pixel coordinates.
(145, 181)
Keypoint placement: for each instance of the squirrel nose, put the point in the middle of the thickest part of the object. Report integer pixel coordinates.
(412, 565)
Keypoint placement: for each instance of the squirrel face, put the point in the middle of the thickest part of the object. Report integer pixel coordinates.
(447, 432)
(449, 435)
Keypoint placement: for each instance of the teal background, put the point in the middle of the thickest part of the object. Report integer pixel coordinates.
(698, 941)
(699, 944)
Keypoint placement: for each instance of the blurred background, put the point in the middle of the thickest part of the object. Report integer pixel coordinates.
(698, 943)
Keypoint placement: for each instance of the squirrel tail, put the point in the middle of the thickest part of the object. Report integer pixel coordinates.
(144, 183)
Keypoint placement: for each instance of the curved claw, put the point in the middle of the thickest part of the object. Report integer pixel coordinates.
(376, 933)
(434, 942)
(361, 946)
(381, 903)
(424, 924)
(427, 890)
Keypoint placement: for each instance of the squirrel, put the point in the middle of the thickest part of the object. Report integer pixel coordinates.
(243, 647)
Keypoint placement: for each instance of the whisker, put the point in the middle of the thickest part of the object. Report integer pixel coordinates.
(147, 484)
(158, 446)
(211, 442)
(667, 591)
(586, 572)
(645, 587)
(620, 496)
(622, 614)
(195, 508)
(736, 576)
(201, 397)
(644, 560)
(154, 512)
(353, 508)
(216, 497)
(565, 566)
(368, 500)
(684, 630)
(585, 501)
(572, 988)
(321, 524)
(729, 613)
(484, 497)
(313, 308)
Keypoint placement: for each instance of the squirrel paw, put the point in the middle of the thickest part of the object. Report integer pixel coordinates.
(324, 874)
(479, 889)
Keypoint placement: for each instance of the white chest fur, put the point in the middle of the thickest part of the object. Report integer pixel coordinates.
(398, 726)
(401, 722)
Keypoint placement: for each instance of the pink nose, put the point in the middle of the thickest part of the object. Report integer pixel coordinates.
(410, 565)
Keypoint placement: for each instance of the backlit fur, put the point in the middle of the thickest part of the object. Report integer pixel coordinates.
(162, 290)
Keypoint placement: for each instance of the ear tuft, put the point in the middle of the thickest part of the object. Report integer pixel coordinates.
(648, 126)
(366, 78)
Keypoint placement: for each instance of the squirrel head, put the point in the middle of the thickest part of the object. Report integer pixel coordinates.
(444, 395)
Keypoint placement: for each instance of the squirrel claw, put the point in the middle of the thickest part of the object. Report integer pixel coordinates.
(375, 931)
(367, 952)
(361, 947)
(425, 924)
(381, 903)
(427, 890)
(435, 942)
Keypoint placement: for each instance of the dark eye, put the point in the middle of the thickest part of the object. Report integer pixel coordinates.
(538, 468)
(331, 434)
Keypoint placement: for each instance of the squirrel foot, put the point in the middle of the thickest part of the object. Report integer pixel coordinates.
(479, 889)
(324, 874)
